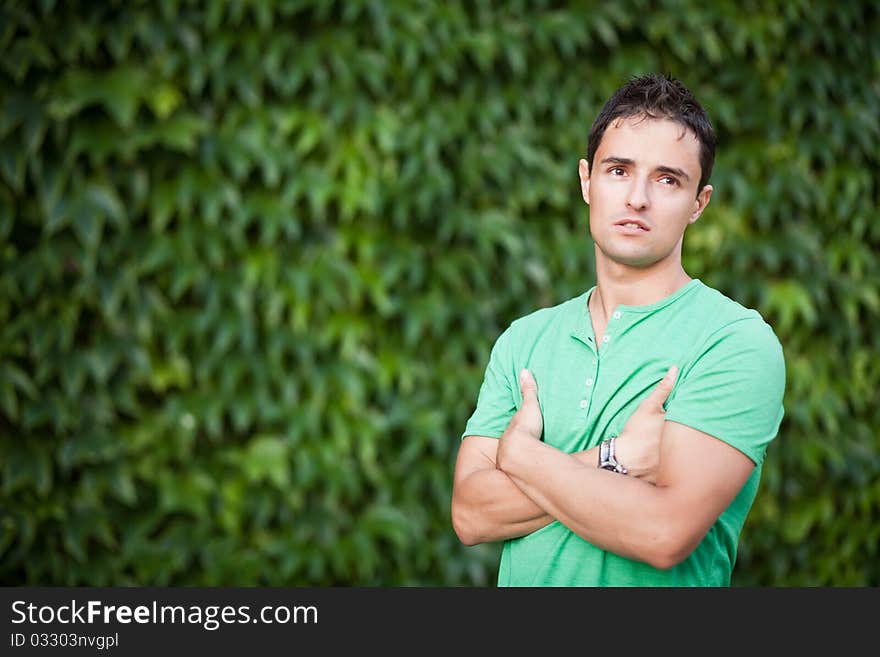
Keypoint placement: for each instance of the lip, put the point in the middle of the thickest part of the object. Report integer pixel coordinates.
(632, 230)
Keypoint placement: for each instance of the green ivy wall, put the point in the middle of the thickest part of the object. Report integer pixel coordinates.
(253, 256)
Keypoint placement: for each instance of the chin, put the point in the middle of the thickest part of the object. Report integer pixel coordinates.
(630, 258)
(637, 263)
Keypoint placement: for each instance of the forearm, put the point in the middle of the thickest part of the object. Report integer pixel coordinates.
(618, 513)
(488, 506)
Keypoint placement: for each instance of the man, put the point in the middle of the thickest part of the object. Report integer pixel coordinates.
(618, 437)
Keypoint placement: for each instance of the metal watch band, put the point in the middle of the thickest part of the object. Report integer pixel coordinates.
(608, 457)
(603, 453)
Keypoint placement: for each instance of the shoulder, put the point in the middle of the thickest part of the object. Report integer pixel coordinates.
(732, 326)
(538, 323)
(731, 384)
(723, 307)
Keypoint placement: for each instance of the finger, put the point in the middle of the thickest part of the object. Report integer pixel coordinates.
(660, 393)
(528, 386)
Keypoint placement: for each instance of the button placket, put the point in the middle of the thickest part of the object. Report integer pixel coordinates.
(589, 382)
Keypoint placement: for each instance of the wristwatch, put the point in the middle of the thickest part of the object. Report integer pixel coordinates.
(608, 459)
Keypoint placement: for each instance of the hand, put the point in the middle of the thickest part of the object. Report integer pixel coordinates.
(527, 423)
(638, 445)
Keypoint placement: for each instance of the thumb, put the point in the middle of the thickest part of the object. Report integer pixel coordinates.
(528, 386)
(661, 392)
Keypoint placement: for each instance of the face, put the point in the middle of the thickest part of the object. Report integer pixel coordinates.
(642, 191)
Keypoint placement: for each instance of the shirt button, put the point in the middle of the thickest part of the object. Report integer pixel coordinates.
(605, 339)
(589, 382)
(584, 403)
(617, 315)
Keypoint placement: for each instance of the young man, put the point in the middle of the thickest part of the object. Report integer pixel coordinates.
(618, 437)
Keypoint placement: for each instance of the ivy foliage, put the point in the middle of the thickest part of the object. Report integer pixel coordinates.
(254, 253)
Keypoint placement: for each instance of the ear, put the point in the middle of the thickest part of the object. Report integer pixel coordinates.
(584, 175)
(700, 203)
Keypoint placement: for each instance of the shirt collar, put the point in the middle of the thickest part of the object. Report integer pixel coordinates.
(579, 322)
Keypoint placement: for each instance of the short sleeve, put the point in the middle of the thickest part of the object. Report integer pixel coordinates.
(733, 388)
(496, 402)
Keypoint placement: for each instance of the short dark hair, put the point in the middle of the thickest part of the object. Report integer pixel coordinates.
(658, 97)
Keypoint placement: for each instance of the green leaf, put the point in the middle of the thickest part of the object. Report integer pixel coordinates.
(118, 90)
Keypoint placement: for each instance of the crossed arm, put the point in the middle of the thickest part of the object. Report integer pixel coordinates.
(681, 480)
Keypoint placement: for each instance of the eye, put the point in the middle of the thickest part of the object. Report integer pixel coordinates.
(669, 180)
(616, 171)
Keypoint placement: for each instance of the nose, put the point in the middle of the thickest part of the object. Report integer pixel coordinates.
(637, 195)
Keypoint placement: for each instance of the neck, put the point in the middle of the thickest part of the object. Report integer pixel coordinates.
(618, 284)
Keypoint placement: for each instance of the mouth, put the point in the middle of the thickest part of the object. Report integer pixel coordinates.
(632, 226)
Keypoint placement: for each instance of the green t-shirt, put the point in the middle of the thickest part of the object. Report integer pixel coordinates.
(730, 385)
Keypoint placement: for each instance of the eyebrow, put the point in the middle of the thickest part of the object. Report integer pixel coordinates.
(662, 168)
